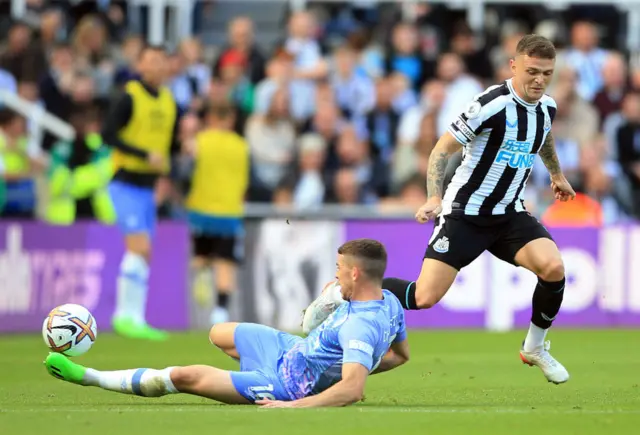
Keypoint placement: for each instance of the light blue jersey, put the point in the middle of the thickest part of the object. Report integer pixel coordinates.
(357, 332)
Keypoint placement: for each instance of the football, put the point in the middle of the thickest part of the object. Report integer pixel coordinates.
(69, 329)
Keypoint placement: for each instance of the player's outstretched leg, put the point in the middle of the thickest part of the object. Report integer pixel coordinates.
(198, 380)
(136, 210)
(435, 279)
(542, 257)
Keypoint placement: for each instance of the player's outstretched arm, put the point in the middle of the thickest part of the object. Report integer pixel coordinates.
(561, 187)
(398, 354)
(346, 392)
(549, 156)
(446, 146)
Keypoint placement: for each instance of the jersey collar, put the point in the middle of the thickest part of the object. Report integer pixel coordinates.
(516, 97)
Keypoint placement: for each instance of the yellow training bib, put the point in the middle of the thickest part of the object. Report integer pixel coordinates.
(221, 174)
(150, 128)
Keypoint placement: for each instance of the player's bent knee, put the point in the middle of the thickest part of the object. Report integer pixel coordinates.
(222, 335)
(215, 335)
(183, 378)
(552, 271)
(426, 300)
(426, 297)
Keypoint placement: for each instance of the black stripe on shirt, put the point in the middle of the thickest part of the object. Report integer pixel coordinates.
(537, 143)
(509, 173)
(498, 123)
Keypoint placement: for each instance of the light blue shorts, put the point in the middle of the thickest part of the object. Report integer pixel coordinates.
(260, 348)
(212, 225)
(135, 207)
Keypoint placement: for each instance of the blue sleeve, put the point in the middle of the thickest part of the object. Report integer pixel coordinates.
(358, 339)
(401, 335)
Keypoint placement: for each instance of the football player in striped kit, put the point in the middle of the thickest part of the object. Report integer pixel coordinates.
(482, 209)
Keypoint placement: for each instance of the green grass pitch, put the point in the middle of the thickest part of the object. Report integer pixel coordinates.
(457, 382)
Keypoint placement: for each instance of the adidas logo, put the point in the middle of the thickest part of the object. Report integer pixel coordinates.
(441, 245)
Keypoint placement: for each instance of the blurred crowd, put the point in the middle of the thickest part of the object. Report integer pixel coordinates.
(344, 109)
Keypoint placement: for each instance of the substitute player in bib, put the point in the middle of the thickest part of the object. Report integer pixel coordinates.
(141, 127)
(215, 212)
(366, 335)
(501, 132)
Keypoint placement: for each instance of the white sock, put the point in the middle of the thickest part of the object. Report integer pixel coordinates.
(142, 382)
(535, 338)
(132, 287)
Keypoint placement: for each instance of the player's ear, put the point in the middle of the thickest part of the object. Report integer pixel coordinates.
(512, 64)
(355, 273)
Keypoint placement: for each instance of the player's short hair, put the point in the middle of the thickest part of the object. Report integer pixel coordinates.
(370, 255)
(152, 47)
(220, 110)
(536, 46)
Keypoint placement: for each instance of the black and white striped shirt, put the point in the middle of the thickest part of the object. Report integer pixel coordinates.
(501, 135)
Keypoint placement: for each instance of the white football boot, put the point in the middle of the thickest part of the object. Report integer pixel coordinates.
(551, 368)
(325, 304)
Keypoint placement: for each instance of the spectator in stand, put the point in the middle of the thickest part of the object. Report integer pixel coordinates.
(460, 89)
(411, 195)
(233, 65)
(280, 71)
(614, 76)
(381, 123)
(179, 82)
(476, 59)
(51, 29)
(417, 135)
(126, 62)
(196, 71)
(21, 161)
(7, 82)
(404, 56)
(308, 60)
(308, 178)
(93, 53)
(241, 39)
(22, 57)
(629, 147)
(500, 54)
(271, 139)
(355, 92)
(603, 181)
(346, 188)
(369, 56)
(403, 95)
(576, 119)
(327, 123)
(371, 173)
(586, 59)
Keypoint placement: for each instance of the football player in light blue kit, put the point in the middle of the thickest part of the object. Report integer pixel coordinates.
(364, 336)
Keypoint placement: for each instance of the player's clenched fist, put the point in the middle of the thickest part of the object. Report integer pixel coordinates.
(562, 190)
(430, 210)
